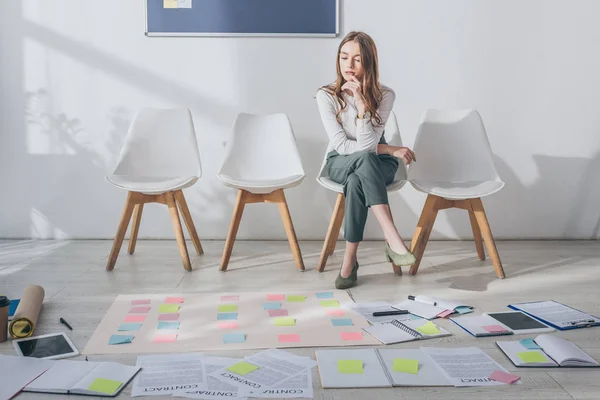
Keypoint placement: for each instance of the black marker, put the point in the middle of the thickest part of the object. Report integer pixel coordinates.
(62, 321)
(384, 313)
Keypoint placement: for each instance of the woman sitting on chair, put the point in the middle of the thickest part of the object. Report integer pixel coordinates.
(354, 110)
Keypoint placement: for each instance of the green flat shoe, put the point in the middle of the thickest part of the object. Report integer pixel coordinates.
(346, 283)
(399, 259)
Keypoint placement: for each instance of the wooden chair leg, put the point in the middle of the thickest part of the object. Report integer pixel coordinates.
(135, 226)
(189, 222)
(284, 211)
(477, 236)
(121, 230)
(233, 228)
(171, 203)
(424, 226)
(486, 232)
(332, 232)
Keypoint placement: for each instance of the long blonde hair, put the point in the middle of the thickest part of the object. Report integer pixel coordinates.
(370, 88)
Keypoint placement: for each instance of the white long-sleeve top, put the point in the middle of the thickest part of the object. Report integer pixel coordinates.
(353, 134)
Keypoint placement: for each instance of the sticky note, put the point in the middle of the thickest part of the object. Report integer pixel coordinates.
(242, 368)
(271, 306)
(165, 338)
(324, 295)
(228, 325)
(168, 317)
(532, 356)
(352, 335)
(505, 377)
(140, 301)
(135, 318)
(444, 314)
(463, 309)
(230, 298)
(288, 338)
(129, 327)
(237, 337)
(139, 310)
(494, 328)
(529, 344)
(296, 299)
(107, 386)
(342, 322)
(168, 308)
(406, 365)
(275, 297)
(174, 300)
(227, 316)
(350, 367)
(168, 325)
(428, 328)
(335, 312)
(184, 3)
(278, 313)
(285, 321)
(120, 339)
(170, 3)
(228, 308)
(329, 303)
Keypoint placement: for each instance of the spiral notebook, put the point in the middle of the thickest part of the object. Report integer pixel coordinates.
(405, 331)
(482, 325)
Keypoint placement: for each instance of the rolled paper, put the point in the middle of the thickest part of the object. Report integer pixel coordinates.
(27, 313)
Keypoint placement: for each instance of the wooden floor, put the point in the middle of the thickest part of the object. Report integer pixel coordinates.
(80, 290)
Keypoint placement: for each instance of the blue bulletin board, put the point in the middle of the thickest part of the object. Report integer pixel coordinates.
(309, 18)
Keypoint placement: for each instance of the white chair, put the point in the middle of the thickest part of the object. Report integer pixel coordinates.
(455, 168)
(159, 158)
(392, 137)
(261, 160)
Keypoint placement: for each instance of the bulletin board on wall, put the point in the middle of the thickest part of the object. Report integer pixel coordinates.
(299, 18)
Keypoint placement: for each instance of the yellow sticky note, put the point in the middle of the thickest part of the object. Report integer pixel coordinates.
(350, 366)
(168, 308)
(285, 321)
(107, 386)
(406, 365)
(170, 4)
(429, 329)
(228, 308)
(329, 303)
(296, 299)
(532, 356)
(242, 368)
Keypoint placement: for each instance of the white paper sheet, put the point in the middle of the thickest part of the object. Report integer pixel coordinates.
(421, 309)
(216, 389)
(367, 310)
(167, 374)
(557, 314)
(17, 372)
(299, 386)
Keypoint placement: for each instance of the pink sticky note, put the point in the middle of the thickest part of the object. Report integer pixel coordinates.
(174, 300)
(272, 297)
(139, 310)
(165, 338)
(168, 317)
(444, 314)
(494, 328)
(230, 298)
(278, 313)
(227, 324)
(352, 336)
(289, 338)
(140, 301)
(504, 377)
(135, 318)
(335, 312)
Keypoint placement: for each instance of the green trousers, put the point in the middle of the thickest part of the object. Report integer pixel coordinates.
(364, 176)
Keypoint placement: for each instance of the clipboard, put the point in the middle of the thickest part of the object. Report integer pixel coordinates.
(584, 320)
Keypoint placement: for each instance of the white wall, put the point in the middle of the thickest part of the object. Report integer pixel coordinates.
(73, 73)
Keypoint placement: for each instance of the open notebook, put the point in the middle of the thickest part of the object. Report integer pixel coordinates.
(405, 331)
(546, 351)
(83, 377)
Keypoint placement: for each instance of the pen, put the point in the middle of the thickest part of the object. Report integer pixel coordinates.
(62, 321)
(433, 303)
(383, 313)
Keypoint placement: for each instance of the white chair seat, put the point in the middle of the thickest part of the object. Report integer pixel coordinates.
(338, 187)
(261, 186)
(458, 190)
(151, 184)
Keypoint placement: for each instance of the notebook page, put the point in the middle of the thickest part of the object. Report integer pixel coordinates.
(562, 350)
(106, 370)
(421, 309)
(62, 376)
(388, 333)
(428, 374)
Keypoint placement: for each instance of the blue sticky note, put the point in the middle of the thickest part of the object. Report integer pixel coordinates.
(227, 316)
(342, 322)
(12, 307)
(529, 344)
(238, 337)
(130, 327)
(324, 295)
(168, 325)
(120, 339)
(415, 317)
(463, 310)
(272, 305)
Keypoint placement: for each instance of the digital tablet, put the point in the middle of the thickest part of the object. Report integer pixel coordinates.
(520, 323)
(51, 346)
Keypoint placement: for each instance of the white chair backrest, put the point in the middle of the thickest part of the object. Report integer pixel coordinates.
(160, 143)
(452, 146)
(262, 147)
